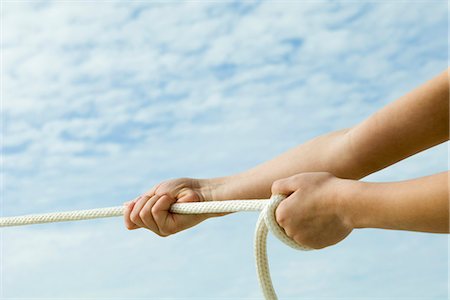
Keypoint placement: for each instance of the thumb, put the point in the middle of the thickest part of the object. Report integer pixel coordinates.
(285, 186)
(189, 196)
(193, 196)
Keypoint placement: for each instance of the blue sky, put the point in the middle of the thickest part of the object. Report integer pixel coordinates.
(101, 100)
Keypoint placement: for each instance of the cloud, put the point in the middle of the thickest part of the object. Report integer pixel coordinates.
(103, 100)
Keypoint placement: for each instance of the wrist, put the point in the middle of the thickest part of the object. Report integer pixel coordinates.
(215, 189)
(231, 187)
(351, 202)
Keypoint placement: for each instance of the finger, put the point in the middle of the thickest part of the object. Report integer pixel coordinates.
(187, 196)
(284, 211)
(285, 186)
(147, 217)
(161, 214)
(151, 192)
(134, 215)
(191, 196)
(187, 221)
(126, 215)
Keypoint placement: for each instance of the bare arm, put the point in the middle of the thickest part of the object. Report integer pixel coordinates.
(416, 121)
(416, 205)
(322, 210)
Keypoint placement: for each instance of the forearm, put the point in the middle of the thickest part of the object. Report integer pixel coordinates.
(414, 122)
(415, 205)
(329, 153)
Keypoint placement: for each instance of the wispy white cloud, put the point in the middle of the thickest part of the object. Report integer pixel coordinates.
(104, 99)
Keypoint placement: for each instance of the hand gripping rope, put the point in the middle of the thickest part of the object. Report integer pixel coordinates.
(266, 222)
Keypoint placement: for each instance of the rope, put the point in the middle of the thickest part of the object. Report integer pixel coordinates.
(266, 222)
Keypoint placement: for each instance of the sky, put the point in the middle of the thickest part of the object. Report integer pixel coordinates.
(103, 99)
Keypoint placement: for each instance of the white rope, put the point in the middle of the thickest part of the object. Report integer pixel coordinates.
(266, 221)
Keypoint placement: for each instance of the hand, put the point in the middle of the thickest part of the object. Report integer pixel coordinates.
(312, 213)
(151, 209)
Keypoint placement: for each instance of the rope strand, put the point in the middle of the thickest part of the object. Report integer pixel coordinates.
(266, 222)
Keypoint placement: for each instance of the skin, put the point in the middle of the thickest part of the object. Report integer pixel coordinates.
(322, 210)
(326, 200)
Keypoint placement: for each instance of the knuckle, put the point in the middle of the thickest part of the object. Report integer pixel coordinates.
(281, 217)
(278, 185)
(153, 190)
(143, 214)
(163, 187)
(277, 182)
(154, 210)
(134, 217)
